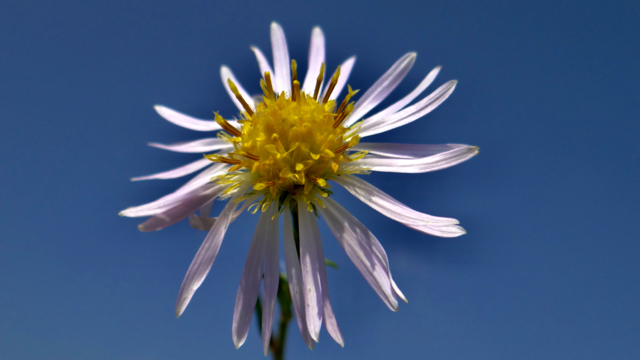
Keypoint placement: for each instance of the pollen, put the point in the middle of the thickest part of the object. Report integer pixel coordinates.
(292, 143)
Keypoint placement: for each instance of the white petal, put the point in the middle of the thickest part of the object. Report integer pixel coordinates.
(407, 99)
(294, 278)
(196, 146)
(397, 211)
(263, 63)
(271, 276)
(201, 222)
(363, 249)
(381, 88)
(329, 317)
(419, 165)
(387, 205)
(280, 59)
(225, 74)
(190, 189)
(250, 281)
(413, 112)
(397, 291)
(345, 71)
(405, 151)
(310, 271)
(177, 172)
(186, 121)
(205, 256)
(316, 58)
(181, 211)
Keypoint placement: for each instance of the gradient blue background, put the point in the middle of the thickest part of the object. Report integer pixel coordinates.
(548, 90)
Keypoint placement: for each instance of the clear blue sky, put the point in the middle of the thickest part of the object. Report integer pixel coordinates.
(547, 89)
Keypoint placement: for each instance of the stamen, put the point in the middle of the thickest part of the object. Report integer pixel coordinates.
(235, 91)
(251, 156)
(267, 79)
(294, 72)
(341, 148)
(296, 91)
(343, 115)
(332, 85)
(226, 126)
(346, 99)
(318, 82)
(223, 159)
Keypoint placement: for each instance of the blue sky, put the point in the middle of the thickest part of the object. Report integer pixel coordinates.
(548, 90)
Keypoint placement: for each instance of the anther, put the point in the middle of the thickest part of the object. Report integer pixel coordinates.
(341, 148)
(296, 91)
(251, 156)
(294, 72)
(267, 79)
(346, 99)
(332, 85)
(235, 91)
(343, 115)
(318, 82)
(227, 127)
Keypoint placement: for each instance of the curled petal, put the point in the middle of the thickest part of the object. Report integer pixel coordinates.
(196, 146)
(413, 112)
(417, 165)
(226, 74)
(310, 271)
(316, 58)
(280, 59)
(294, 278)
(381, 88)
(251, 278)
(186, 121)
(205, 256)
(363, 249)
(181, 211)
(345, 71)
(177, 172)
(271, 276)
(405, 151)
(407, 99)
(263, 63)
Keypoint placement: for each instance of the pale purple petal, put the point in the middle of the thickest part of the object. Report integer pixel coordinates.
(407, 99)
(363, 249)
(186, 121)
(397, 291)
(294, 278)
(177, 172)
(412, 113)
(191, 188)
(405, 151)
(280, 59)
(263, 63)
(250, 281)
(316, 58)
(345, 71)
(419, 165)
(310, 271)
(381, 88)
(387, 205)
(181, 211)
(201, 222)
(196, 146)
(225, 74)
(329, 317)
(205, 256)
(271, 275)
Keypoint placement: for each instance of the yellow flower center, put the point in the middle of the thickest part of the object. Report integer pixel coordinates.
(292, 144)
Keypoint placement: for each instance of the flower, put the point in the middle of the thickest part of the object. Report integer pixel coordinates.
(281, 154)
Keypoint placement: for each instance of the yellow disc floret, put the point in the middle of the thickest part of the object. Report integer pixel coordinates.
(291, 144)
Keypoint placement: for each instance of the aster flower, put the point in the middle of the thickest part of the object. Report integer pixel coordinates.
(281, 155)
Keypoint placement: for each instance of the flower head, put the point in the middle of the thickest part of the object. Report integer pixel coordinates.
(281, 154)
